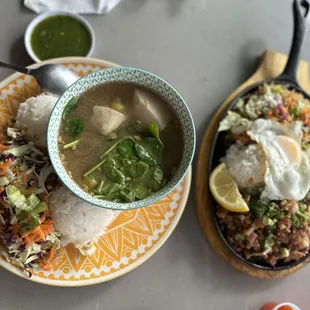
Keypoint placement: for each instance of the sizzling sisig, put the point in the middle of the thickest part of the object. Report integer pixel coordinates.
(120, 142)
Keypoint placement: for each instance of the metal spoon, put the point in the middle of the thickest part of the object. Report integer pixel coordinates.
(51, 78)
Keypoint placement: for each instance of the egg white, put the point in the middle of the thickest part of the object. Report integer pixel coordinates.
(288, 167)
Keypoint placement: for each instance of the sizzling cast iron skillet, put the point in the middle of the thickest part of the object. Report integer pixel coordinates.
(289, 78)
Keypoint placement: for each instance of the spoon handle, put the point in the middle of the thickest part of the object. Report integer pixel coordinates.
(14, 67)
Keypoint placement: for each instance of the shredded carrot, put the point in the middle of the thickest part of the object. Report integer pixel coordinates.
(289, 102)
(37, 236)
(269, 115)
(44, 197)
(47, 213)
(45, 226)
(27, 241)
(27, 233)
(3, 203)
(25, 178)
(43, 218)
(47, 229)
(48, 222)
(15, 228)
(4, 166)
(3, 148)
(16, 235)
(51, 254)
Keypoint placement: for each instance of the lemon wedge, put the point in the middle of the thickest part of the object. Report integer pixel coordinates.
(225, 190)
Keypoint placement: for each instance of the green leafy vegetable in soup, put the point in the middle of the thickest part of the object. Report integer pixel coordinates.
(115, 147)
(69, 107)
(75, 127)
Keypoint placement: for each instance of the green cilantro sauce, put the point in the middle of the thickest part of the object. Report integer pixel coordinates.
(60, 36)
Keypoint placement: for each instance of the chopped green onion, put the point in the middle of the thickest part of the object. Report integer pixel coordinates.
(94, 168)
(99, 187)
(72, 145)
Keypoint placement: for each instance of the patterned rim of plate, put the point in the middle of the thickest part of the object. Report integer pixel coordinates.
(134, 236)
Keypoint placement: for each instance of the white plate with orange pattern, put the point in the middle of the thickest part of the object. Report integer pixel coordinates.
(130, 240)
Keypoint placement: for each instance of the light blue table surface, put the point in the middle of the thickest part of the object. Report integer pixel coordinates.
(205, 48)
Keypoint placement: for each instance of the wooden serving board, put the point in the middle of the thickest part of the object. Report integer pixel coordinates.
(271, 66)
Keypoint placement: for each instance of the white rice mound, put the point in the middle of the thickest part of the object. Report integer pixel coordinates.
(33, 116)
(246, 164)
(78, 221)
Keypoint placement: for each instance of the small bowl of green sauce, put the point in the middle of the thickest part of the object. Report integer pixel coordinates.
(57, 34)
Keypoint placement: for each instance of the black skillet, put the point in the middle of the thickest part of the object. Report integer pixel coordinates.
(289, 78)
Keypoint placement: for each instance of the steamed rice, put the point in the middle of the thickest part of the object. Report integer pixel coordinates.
(33, 116)
(78, 221)
(246, 164)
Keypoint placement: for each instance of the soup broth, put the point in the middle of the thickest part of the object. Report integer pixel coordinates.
(120, 142)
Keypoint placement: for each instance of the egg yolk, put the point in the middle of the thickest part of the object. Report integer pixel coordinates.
(290, 147)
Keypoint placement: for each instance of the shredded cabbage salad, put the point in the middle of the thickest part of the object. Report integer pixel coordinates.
(27, 232)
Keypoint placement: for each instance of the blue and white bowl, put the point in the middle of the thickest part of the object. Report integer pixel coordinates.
(142, 78)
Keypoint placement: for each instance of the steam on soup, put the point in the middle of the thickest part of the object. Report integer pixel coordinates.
(120, 142)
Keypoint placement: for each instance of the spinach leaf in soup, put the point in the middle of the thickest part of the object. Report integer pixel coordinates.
(141, 191)
(154, 130)
(131, 168)
(154, 179)
(144, 155)
(128, 194)
(74, 127)
(126, 148)
(136, 170)
(123, 162)
(111, 188)
(113, 173)
(69, 107)
(154, 148)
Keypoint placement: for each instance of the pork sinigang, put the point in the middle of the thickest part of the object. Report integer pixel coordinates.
(120, 142)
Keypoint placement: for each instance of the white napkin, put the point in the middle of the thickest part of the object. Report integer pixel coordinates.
(75, 6)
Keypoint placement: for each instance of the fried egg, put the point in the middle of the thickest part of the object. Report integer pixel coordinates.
(288, 167)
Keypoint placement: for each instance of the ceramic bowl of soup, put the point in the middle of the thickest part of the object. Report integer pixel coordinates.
(121, 138)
